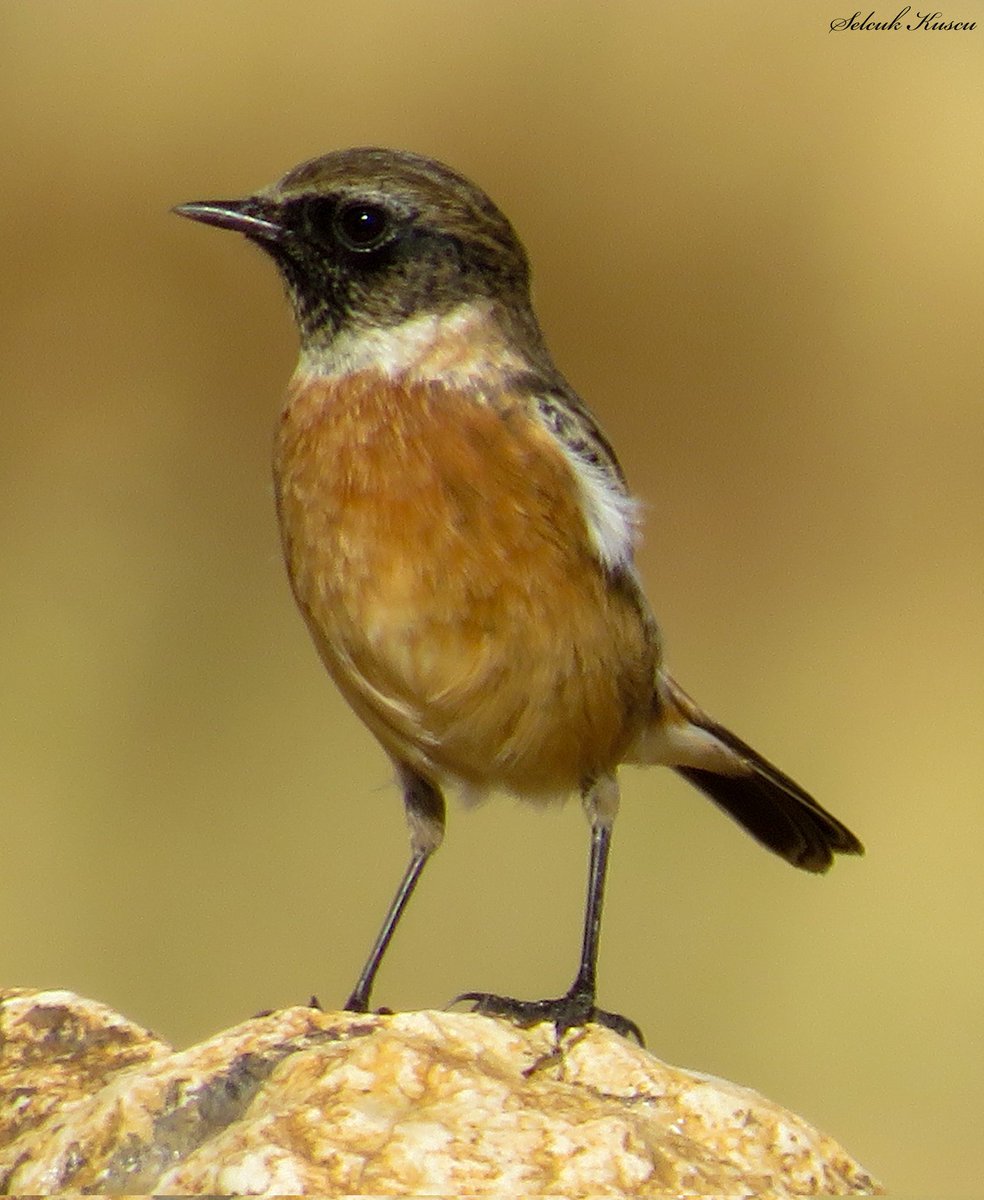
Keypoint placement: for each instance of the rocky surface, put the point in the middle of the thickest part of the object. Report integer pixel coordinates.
(434, 1103)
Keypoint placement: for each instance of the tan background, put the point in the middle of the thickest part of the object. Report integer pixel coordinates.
(759, 254)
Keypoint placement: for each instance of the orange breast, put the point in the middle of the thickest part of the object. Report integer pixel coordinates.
(437, 549)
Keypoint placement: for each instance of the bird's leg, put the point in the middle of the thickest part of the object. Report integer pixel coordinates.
(425, 816)
(577, 1006)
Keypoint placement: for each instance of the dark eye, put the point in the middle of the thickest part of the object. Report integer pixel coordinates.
(362, 226)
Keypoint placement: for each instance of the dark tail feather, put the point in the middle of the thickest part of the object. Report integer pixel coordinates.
(772, 807)
(805, 835)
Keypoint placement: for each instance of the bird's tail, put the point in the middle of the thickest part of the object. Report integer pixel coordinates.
(774, 809)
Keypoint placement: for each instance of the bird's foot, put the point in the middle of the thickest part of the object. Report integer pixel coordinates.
(572, 1011)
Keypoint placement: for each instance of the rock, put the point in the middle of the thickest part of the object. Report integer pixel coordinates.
(436, 1103)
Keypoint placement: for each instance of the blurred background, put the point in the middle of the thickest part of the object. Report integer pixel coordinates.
(758, 254)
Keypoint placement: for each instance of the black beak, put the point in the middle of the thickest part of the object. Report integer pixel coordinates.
(243, 216)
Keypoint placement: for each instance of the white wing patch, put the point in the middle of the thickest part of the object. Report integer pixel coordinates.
(611, 515)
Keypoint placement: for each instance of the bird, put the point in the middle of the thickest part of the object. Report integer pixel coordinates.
(460, 537)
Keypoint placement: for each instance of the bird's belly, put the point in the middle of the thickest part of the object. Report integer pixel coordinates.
(438, 552)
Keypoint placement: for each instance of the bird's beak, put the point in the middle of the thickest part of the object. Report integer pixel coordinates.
(243, 216)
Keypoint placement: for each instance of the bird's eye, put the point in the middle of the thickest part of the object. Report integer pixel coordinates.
(362, 226)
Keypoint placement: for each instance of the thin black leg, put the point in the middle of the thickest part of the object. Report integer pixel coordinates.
(587, 973)
(425, 816)
(577, 1006)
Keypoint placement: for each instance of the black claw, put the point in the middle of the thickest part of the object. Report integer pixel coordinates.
(572, 1011)
(356, 1004)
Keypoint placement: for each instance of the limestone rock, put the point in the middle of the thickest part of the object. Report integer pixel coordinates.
(433, 1103)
